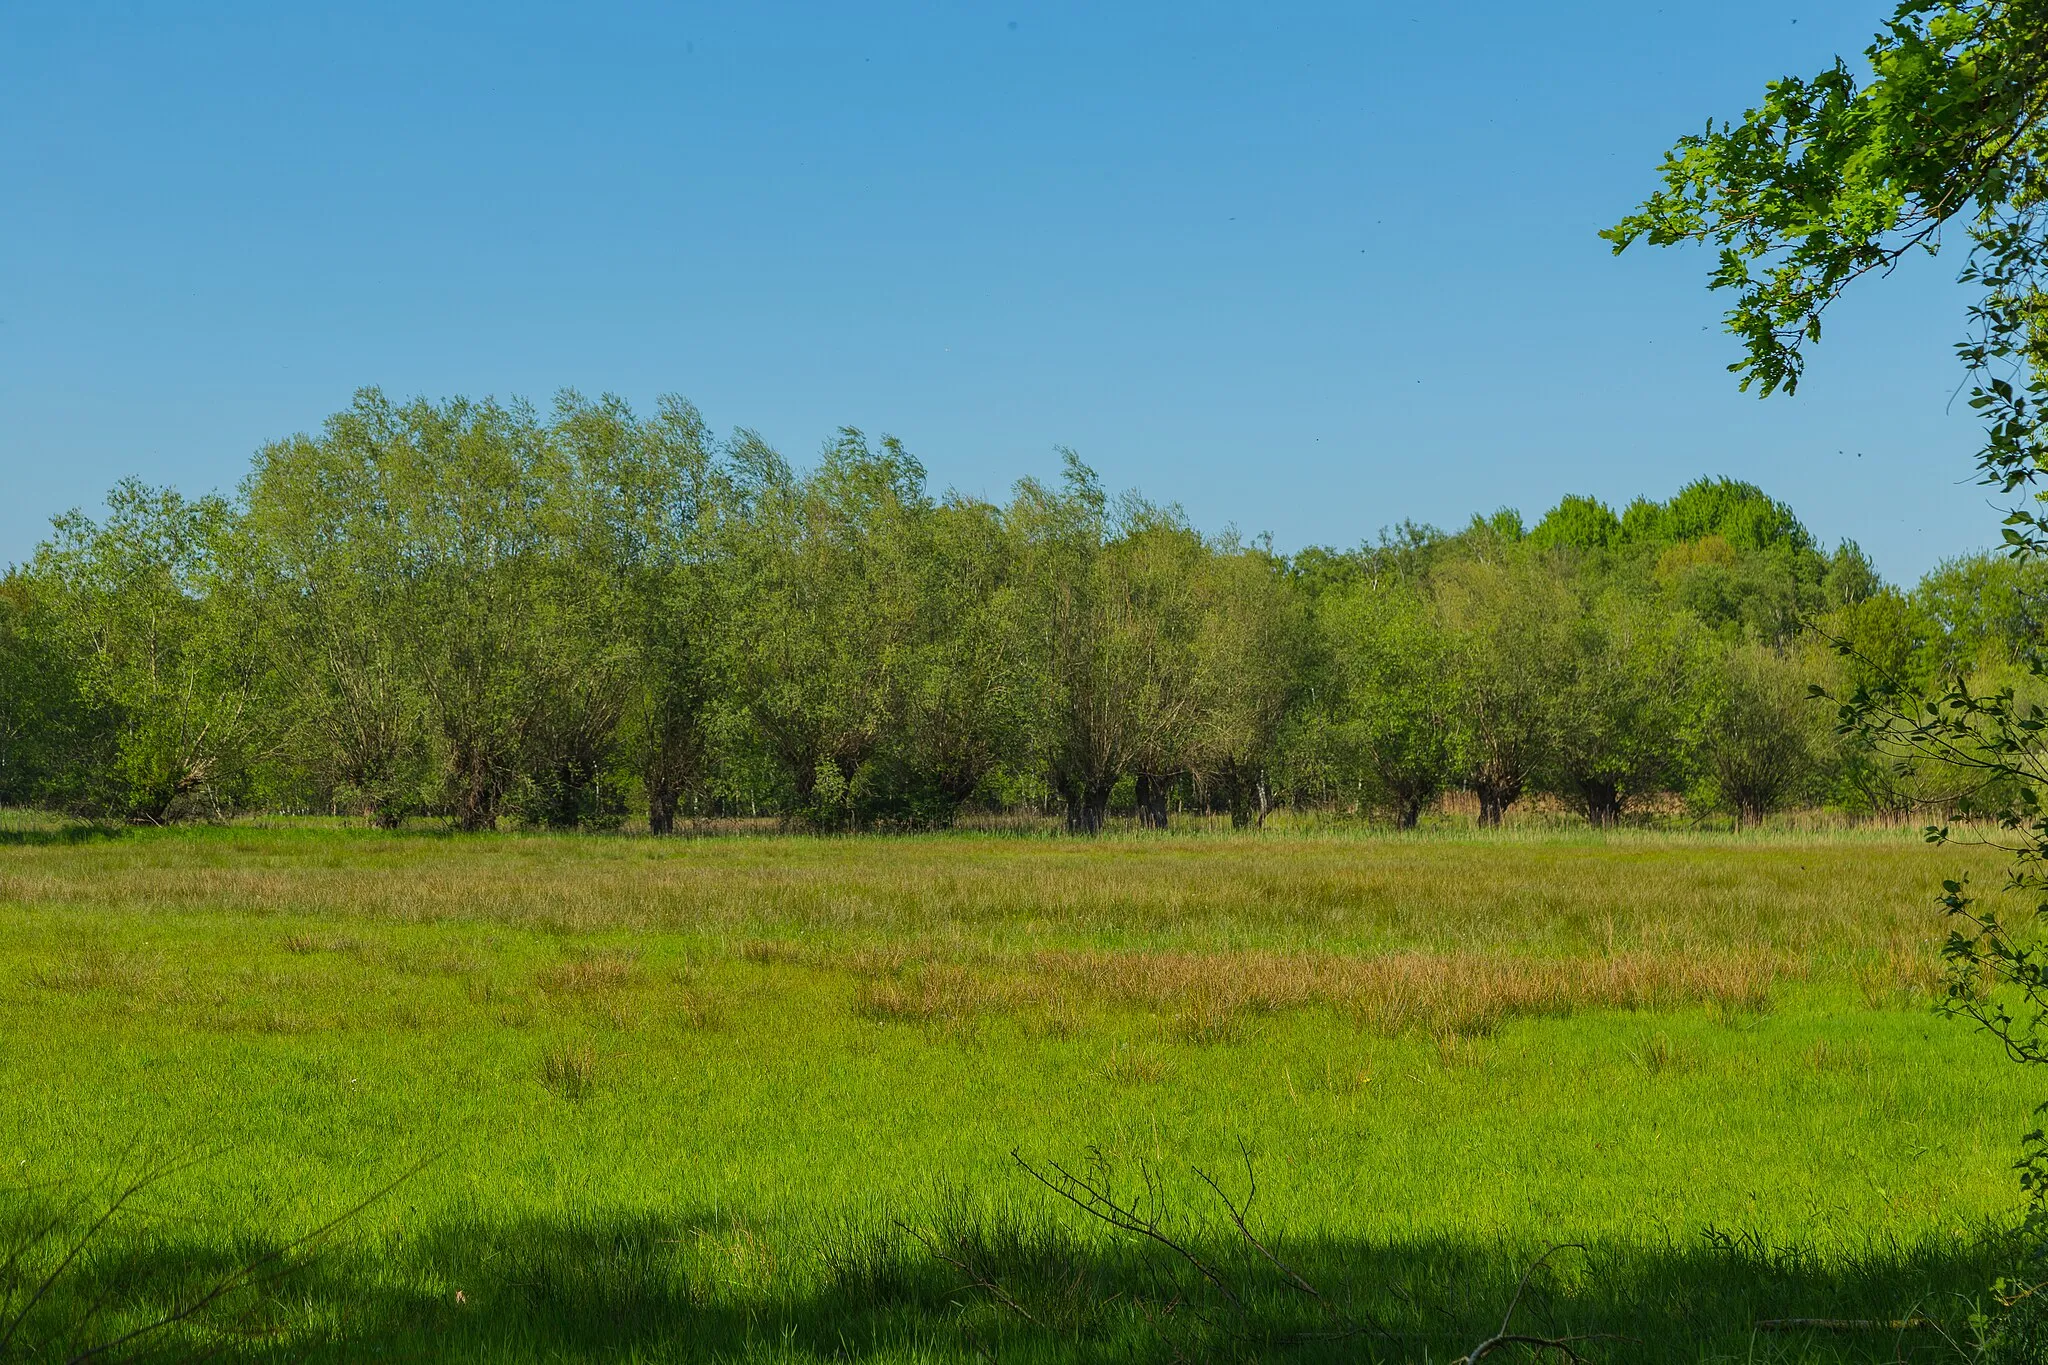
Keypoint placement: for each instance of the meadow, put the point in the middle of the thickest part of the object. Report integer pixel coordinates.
(742, 1097)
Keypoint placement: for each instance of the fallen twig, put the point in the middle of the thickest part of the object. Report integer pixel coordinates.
(980, 1279)
(1239, 1216)
(1099, 1203)
(141, 1182)
(247, 1274)
(1564, 1346)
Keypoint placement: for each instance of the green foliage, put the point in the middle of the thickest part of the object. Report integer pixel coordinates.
(2019, 1334)
(825, 633)
(1139, 648)
(1508, 623)
(482, 613)
(1629, 685)
(1763, 739)
(1393, 705)
(1739, 513)
(1983, 611)
(1831, 178)
(165, 645)
(451, 607)
(1850, 578)
(1251, 657)
(48, 729)
(1577, 523)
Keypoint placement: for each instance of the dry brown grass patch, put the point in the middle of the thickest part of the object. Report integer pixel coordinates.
(95, 967)
(1129, 1065)
(693, 1008)
(1206, 1020)
(597, 973)
(926, 993)
(1904, 975)
(770, 953)
(1395, 993)
(1213, 998)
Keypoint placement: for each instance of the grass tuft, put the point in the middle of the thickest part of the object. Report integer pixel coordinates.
(1656, 1054)
(1129, 1065)
(570, 1070)
(593, 973)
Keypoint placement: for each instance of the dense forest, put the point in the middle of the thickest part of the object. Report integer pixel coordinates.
(481, 613)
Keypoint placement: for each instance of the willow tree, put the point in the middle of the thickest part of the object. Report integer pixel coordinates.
(436, 569)
(1627, 680)
(1761, 743)
(356, 718)
(1393, 695)
(825, 624)
(1154, 619)
(150, 606)
(1111, 612)
(1508, 621)
(641, 531)
(968, 705)
(1251, 654)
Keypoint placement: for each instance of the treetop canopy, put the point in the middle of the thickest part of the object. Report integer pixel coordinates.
(1740, 513)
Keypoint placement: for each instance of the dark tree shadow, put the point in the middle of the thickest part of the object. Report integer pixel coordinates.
(63, 836)
(700, 1288)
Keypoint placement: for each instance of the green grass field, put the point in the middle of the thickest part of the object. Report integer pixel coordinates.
(742, 1097)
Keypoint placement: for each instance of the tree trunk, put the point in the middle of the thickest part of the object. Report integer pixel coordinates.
(1495, 796)
(1490, 808)
(1602, 802)
(1152, 800)
(1087, 807)
(1409, 813)
(568, 797)
(1241, 813)
(476, 797)
(1247, 799)
(661, 805)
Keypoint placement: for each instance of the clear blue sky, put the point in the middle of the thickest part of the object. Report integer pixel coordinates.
(1307, 269)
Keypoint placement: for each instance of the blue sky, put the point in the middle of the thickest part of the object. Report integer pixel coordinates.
(1305, 269)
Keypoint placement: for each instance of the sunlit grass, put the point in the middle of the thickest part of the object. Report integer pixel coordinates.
(686, 1091)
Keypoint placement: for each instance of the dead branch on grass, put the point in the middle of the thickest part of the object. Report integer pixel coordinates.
(1292, 1277)
(263, 1270)
(33, 1238)
(1097, 1199)
(251, 1273)
(1535, 1345)
(977, 1278)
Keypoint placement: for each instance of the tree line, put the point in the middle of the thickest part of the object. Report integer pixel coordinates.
(480, 612)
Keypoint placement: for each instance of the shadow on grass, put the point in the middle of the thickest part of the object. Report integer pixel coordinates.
(60, 836)
(702, 1288)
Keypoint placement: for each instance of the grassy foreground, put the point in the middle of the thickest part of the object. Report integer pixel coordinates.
(758, 1097)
